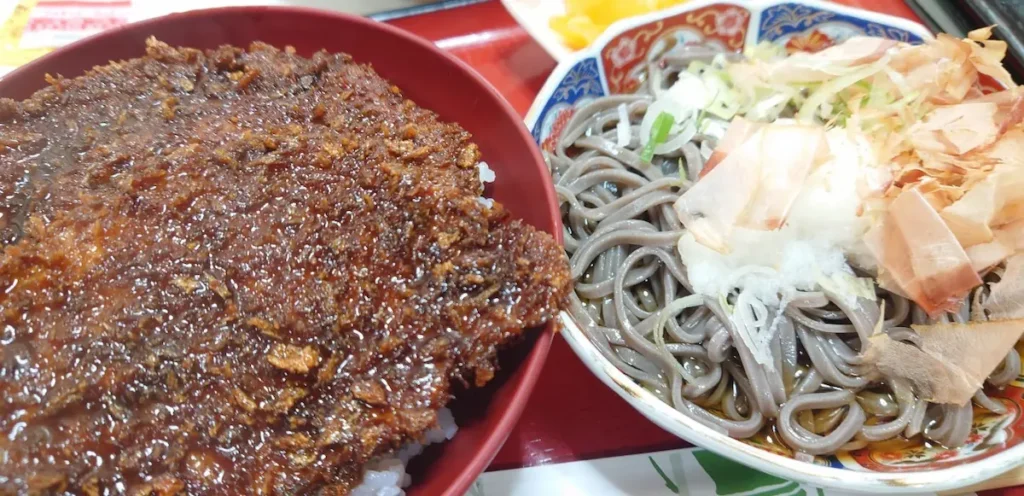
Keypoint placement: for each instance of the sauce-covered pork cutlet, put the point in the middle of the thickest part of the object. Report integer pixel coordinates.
(242, 272)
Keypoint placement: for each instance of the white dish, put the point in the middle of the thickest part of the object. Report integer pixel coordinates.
(534, 16)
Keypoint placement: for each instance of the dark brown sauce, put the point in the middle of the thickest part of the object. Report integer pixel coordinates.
(242, 273)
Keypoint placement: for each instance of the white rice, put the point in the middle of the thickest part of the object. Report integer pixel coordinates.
(486, 173)
(486, 176)
(387, 477)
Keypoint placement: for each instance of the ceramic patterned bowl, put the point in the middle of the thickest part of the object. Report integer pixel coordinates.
(612, 65)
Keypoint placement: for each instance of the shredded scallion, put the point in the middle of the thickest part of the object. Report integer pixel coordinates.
(659, 133)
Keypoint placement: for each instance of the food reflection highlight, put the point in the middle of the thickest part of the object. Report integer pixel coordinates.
(821, 250)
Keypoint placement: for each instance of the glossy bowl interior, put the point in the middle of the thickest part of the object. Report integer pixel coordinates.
(435, 81)
(614, 64)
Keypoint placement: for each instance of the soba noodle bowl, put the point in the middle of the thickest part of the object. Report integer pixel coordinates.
(634, 302)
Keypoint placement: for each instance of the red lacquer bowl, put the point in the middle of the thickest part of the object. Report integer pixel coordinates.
(435, 80)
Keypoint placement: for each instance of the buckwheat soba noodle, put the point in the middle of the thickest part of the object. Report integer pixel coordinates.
(635, 304)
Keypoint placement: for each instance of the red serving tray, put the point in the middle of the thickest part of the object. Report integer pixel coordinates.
(571, 416)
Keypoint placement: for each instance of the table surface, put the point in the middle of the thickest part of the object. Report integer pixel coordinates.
(572, 420)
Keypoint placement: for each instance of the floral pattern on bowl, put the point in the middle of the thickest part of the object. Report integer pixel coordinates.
(619, 56)
(799, 26)
(582, 82)
(625, 57)
(615, 64)
(991, 434)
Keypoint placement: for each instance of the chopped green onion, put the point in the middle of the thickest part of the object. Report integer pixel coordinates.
(809, 110)
(839, 114)
(682, 170)
(765, 50)
(723, 299)
(879, 97)
(659, 133)
(696, 67)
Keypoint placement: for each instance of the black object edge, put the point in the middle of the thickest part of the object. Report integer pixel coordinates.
(1008, 17)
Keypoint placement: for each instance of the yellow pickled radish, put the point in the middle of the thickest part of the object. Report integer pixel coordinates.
(585, 20)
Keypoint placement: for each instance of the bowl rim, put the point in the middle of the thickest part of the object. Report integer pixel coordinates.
(702, 436)
(533, 363)
(566, 63)
(551, 41)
